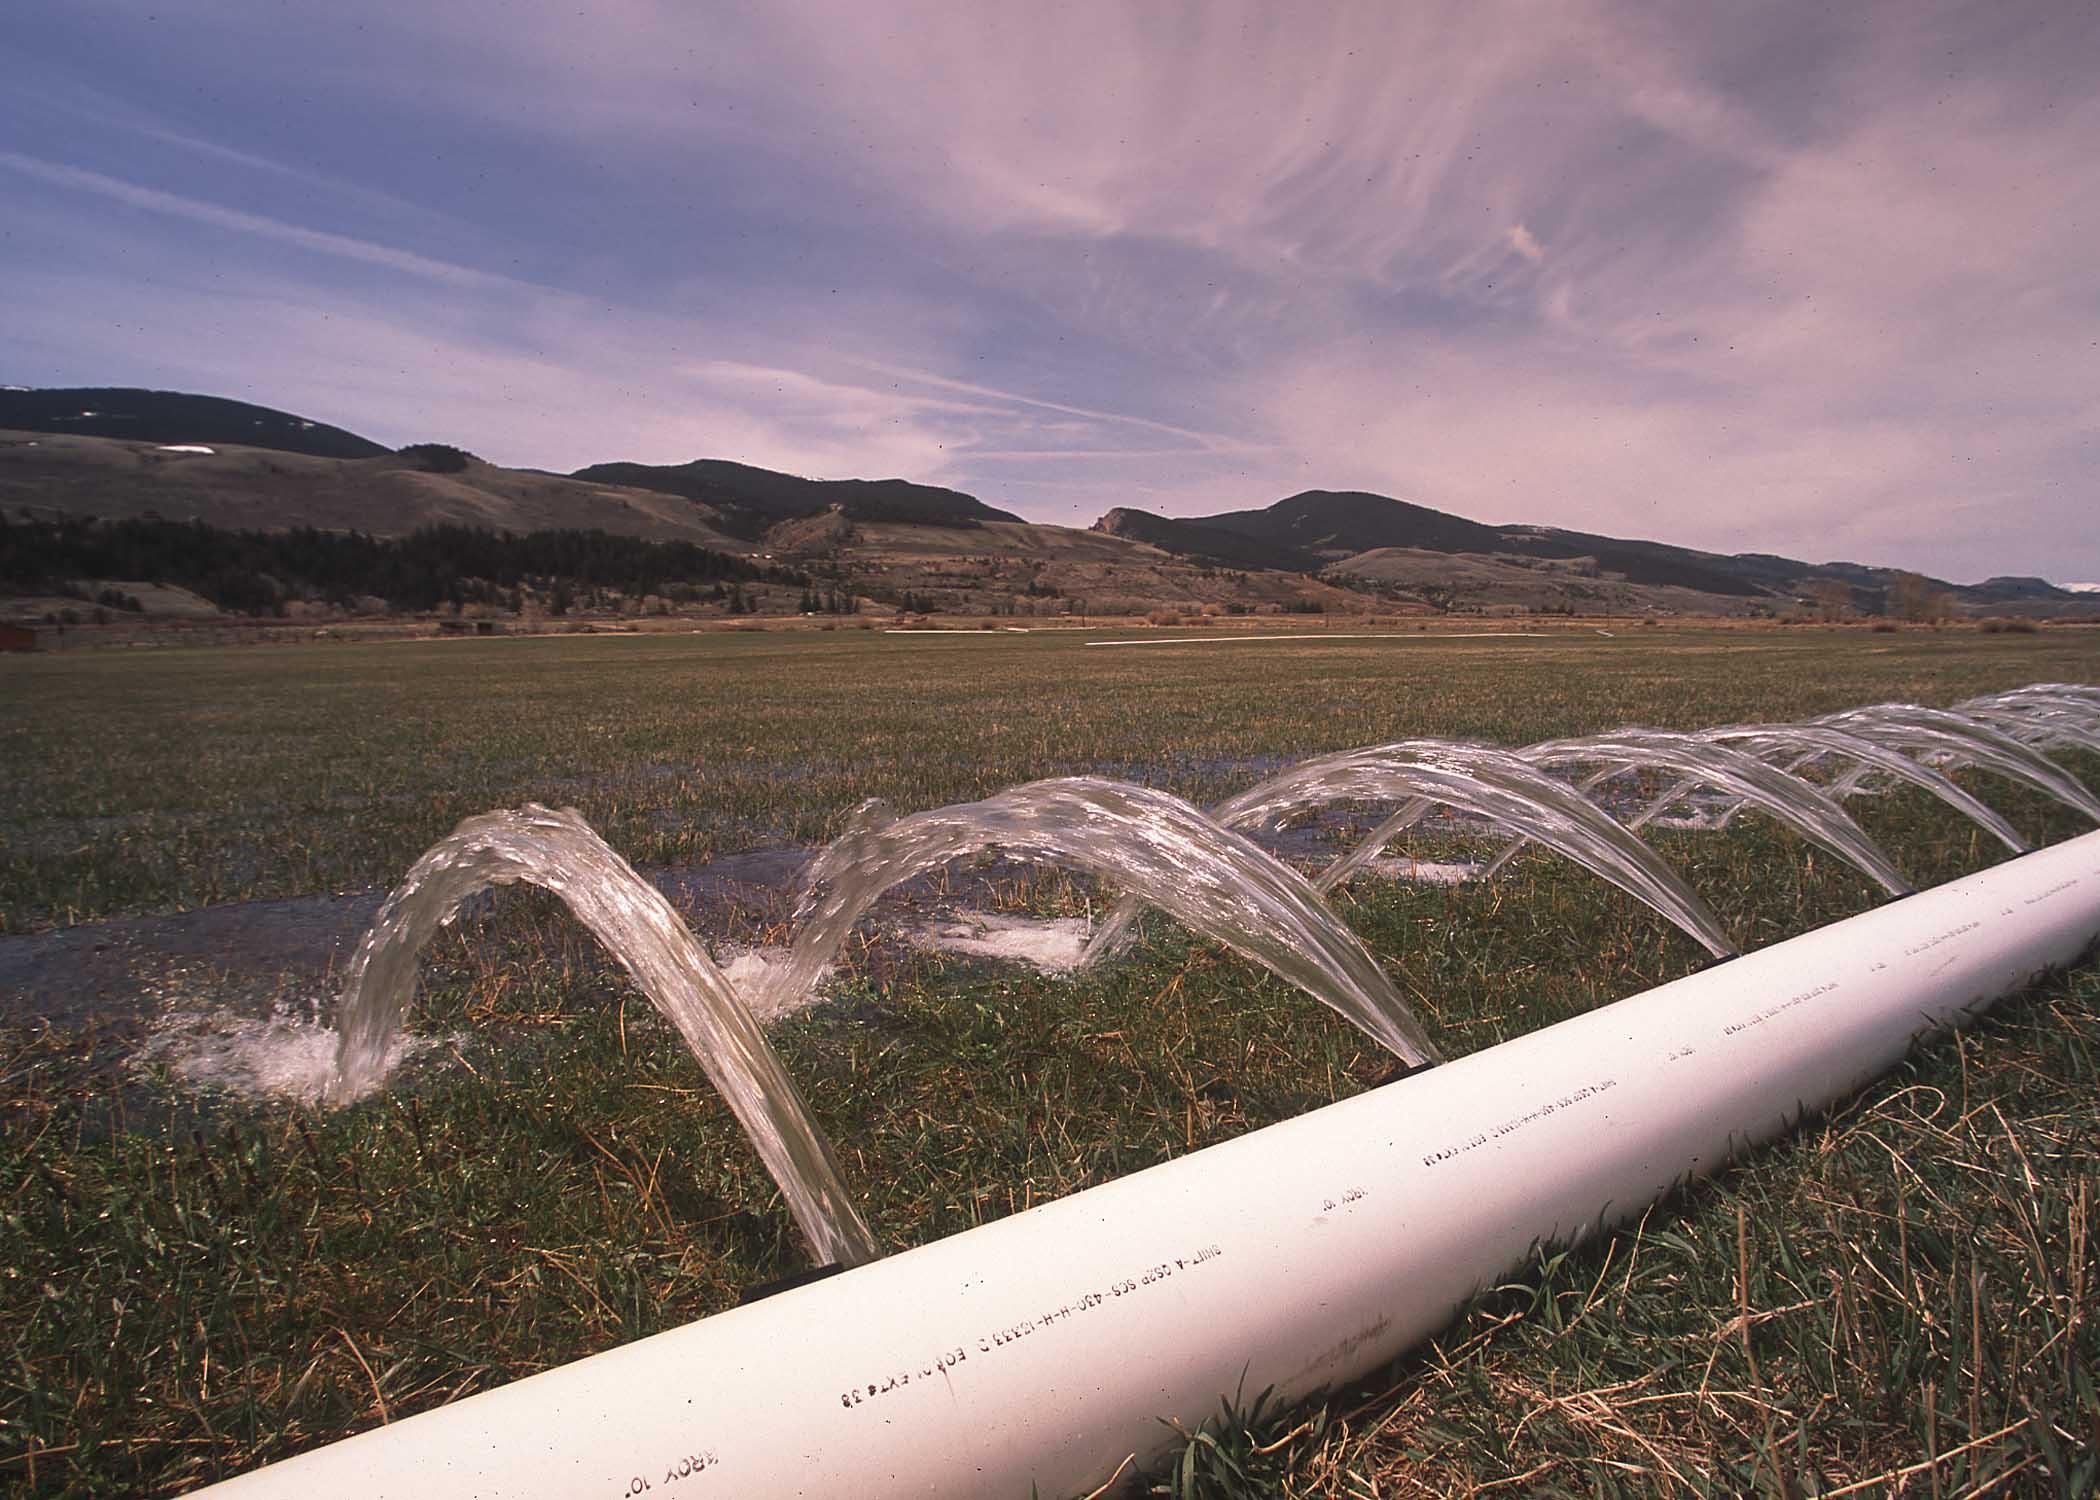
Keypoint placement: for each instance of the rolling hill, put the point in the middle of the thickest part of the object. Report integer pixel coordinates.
(1206, 542)
(1395, 546)
(264, 489)
(112, 452)
(174, 417)
(749, 500)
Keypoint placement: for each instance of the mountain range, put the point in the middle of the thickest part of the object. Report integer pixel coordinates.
(106, 451)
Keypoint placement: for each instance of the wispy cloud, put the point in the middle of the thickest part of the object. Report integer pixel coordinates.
(1206, 440)
(237, 221)
(91, 111)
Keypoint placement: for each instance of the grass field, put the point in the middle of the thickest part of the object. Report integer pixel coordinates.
(1894, 1300)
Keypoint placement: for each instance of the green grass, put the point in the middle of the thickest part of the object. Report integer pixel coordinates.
(179, 1306)
(162, 780)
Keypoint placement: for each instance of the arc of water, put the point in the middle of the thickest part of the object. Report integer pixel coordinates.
(2043, 718)
(1480, 779)
(1676, 793)
(1824, 739)
(2051, 695)
(1873, 753)
(1160, 848)
(1507, 790)
(2070, 693)
(2079, 693)
(2048, 720)
(1952, 738)
(2043, 727)
(1587, 786)
(559, 852)
(1796, 803)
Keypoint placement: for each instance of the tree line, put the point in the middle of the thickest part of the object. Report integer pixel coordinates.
(256, 572)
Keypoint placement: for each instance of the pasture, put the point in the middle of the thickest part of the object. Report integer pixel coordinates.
(1895, 1300)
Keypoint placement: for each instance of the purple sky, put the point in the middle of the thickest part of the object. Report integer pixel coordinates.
(1815, 279)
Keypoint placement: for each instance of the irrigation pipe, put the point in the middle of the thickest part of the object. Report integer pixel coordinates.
(1048, 1347)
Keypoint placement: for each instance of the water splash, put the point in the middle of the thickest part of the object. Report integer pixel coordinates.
(288, 1054)
(754, 971)
(1794, 802)
(1052, 945)
(559, 852)
(1156, 846)
(1425, 871)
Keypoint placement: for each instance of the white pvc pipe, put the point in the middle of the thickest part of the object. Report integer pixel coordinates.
(1045, 1348)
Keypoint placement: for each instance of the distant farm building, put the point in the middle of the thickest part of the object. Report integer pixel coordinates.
(17, 638)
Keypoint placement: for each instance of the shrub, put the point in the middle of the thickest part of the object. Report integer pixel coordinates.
(438, 458)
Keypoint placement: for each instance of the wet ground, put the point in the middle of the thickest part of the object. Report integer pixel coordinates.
(97, 971)
(240, 991)
(239, 995)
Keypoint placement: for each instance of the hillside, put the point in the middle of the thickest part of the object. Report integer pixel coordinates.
(749, 500)
(174, 417)
(260, 489)
(1333, 524)
(1017, 567)
(115, 453)
(1340, 524)
(1206, 543)
(948, 553)
(1392, 545)
(1471, 581)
